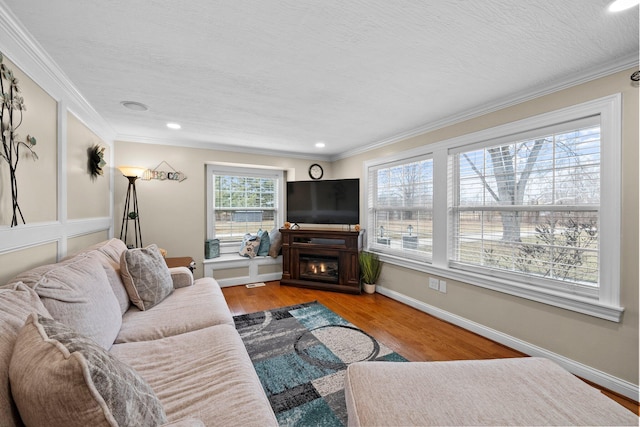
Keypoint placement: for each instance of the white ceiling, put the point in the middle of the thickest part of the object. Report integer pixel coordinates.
(282, 75)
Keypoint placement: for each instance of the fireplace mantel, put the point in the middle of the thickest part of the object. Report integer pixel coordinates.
(343, 246)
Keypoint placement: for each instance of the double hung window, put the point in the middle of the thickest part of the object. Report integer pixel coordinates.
(242, 200)
(400, 207)
(530, 208)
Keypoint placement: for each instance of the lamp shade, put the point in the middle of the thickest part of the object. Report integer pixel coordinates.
(132, 171)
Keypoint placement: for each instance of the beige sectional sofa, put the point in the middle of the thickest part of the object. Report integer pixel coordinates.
(105, 361)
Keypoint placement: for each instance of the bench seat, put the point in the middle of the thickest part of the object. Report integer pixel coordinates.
(230, 269)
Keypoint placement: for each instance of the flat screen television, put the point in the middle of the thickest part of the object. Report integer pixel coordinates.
(334, 201)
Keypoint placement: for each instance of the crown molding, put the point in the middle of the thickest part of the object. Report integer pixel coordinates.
(604, 70)
(22, 49)
(219, 147)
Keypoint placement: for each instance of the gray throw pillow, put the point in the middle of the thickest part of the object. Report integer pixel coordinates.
(61, 378)
(146, 276)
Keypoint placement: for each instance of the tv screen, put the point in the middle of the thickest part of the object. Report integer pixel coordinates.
(324, 202)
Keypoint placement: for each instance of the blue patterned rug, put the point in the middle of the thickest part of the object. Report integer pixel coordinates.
(300, 354)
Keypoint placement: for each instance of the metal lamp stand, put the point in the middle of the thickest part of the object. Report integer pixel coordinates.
(132, 215)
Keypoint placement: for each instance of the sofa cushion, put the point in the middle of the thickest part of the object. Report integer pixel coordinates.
(187, 309)
(77, 293)
(60, 378)
(17, 302)
(205, 373)
(109, 253)
(146, 276)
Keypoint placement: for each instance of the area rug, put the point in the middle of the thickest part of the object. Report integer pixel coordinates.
(301, 353)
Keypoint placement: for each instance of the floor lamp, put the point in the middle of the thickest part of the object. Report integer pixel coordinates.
(130, 212)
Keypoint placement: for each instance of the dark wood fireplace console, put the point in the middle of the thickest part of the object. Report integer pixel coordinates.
(321, 259)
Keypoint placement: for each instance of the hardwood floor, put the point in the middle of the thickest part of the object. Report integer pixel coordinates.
(413, 334)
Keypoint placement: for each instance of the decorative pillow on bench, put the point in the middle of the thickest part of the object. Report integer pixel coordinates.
(61, 378)
(265, 243)
(146, 276)
(250, 245)
(275, 243)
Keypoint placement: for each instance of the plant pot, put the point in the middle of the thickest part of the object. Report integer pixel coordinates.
(369, 288)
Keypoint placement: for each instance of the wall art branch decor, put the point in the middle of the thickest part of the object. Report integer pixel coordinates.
(11, 118)
(96, 161)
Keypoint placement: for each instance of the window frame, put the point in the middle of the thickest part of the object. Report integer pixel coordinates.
(372, 191)
(456, 209)
(607, 304)
(213, 169)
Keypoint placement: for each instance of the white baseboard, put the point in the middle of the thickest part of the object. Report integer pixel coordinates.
(596, 376)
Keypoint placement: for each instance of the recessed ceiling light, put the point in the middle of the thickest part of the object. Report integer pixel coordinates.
(619, 5)
(320, 144)
(135, 106)
(173, 126)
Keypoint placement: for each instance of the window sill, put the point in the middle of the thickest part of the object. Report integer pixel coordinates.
(578, 304)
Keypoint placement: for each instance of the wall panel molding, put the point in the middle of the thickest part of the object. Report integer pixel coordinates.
(19, 47)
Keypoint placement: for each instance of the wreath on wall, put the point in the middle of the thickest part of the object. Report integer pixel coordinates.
(96, 162)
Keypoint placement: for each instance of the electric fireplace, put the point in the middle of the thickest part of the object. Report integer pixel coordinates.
(319, 267)
(321, 259)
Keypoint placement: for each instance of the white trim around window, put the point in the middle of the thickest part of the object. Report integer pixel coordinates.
(260, 172)
(606, 304)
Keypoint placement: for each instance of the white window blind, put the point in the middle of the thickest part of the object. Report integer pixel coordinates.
(400, 208)
(529, 205)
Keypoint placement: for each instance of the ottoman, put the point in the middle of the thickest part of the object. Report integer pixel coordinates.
(520, 391)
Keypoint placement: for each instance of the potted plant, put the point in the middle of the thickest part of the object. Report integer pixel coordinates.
(370, 267)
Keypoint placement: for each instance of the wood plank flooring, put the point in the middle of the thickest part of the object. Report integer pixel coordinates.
(415, 335)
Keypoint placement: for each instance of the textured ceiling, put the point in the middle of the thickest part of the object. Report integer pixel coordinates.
(284, 74)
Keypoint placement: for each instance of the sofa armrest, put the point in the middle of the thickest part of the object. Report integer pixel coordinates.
(181, 276)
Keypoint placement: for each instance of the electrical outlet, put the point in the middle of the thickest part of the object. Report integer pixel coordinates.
(433, 283)
(443, 286)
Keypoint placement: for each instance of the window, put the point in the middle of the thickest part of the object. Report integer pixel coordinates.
(531, 208)
(242, 200)
(400, 208)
